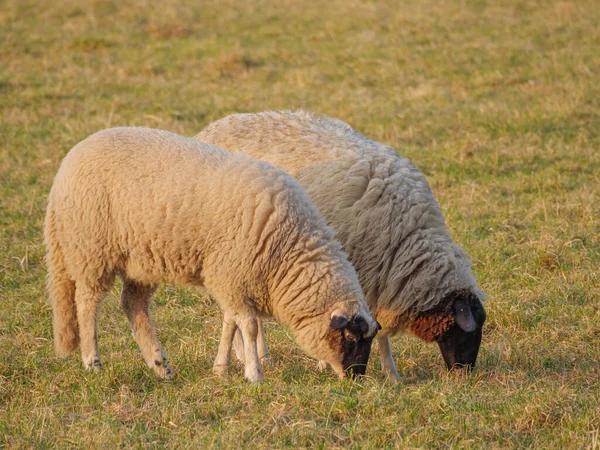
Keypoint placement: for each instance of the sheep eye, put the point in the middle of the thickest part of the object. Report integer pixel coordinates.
(350, 336)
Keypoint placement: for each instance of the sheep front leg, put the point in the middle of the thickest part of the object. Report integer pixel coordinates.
(263, 350)
(387, 361)
(249, 327)
(227, 332)
(238, 346)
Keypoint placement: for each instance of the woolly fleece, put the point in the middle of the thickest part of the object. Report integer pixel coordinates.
(379, 204)
(154, 207)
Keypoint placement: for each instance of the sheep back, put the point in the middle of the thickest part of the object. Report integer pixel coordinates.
(157, 207)
(379, 204)
(164, 208)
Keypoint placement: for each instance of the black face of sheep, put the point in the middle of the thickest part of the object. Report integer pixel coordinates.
(460, 342)
(350, 336)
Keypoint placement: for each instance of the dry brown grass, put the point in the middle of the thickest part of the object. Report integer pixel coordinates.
(497, 103)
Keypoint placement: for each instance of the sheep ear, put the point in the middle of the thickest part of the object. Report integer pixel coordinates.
(463, 316)
(482, 296)
(339, 319)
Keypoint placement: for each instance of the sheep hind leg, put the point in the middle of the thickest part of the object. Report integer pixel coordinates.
(387, 360)
(249, 328)
(263, 350)
(135, 300)
(87, 299)
(238, 345)
(227, 336)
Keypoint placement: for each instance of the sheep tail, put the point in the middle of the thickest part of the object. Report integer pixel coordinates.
(61, 290)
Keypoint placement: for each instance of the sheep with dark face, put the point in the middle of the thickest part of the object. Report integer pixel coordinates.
(153, 207)
(415, 278)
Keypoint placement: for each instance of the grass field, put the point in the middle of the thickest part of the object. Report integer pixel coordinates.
(498, 102)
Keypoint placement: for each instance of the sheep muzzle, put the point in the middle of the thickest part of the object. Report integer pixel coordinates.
(460, 343)
(350, 340)
(460, 348)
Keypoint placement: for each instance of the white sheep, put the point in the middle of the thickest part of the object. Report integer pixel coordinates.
(152, 207)
(414, 277)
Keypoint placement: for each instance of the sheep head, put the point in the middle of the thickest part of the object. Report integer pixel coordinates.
(352, 337)
(456, 325)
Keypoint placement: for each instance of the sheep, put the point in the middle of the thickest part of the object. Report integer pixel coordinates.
(415, 279)
(152, 207)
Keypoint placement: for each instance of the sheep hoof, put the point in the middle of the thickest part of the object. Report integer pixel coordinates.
(162, 369)
(220, 370)
(94, 365)
(391, 375)
(168, 373)
(254, 378)
(392, 379)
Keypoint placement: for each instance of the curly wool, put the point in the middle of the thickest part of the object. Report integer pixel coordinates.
(379, 204)
(156, 207)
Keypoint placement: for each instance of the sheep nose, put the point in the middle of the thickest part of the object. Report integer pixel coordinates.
(356, 370)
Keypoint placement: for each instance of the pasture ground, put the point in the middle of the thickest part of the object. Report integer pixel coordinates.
(496, 101)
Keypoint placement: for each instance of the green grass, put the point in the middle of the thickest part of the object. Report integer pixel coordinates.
(498, 102)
